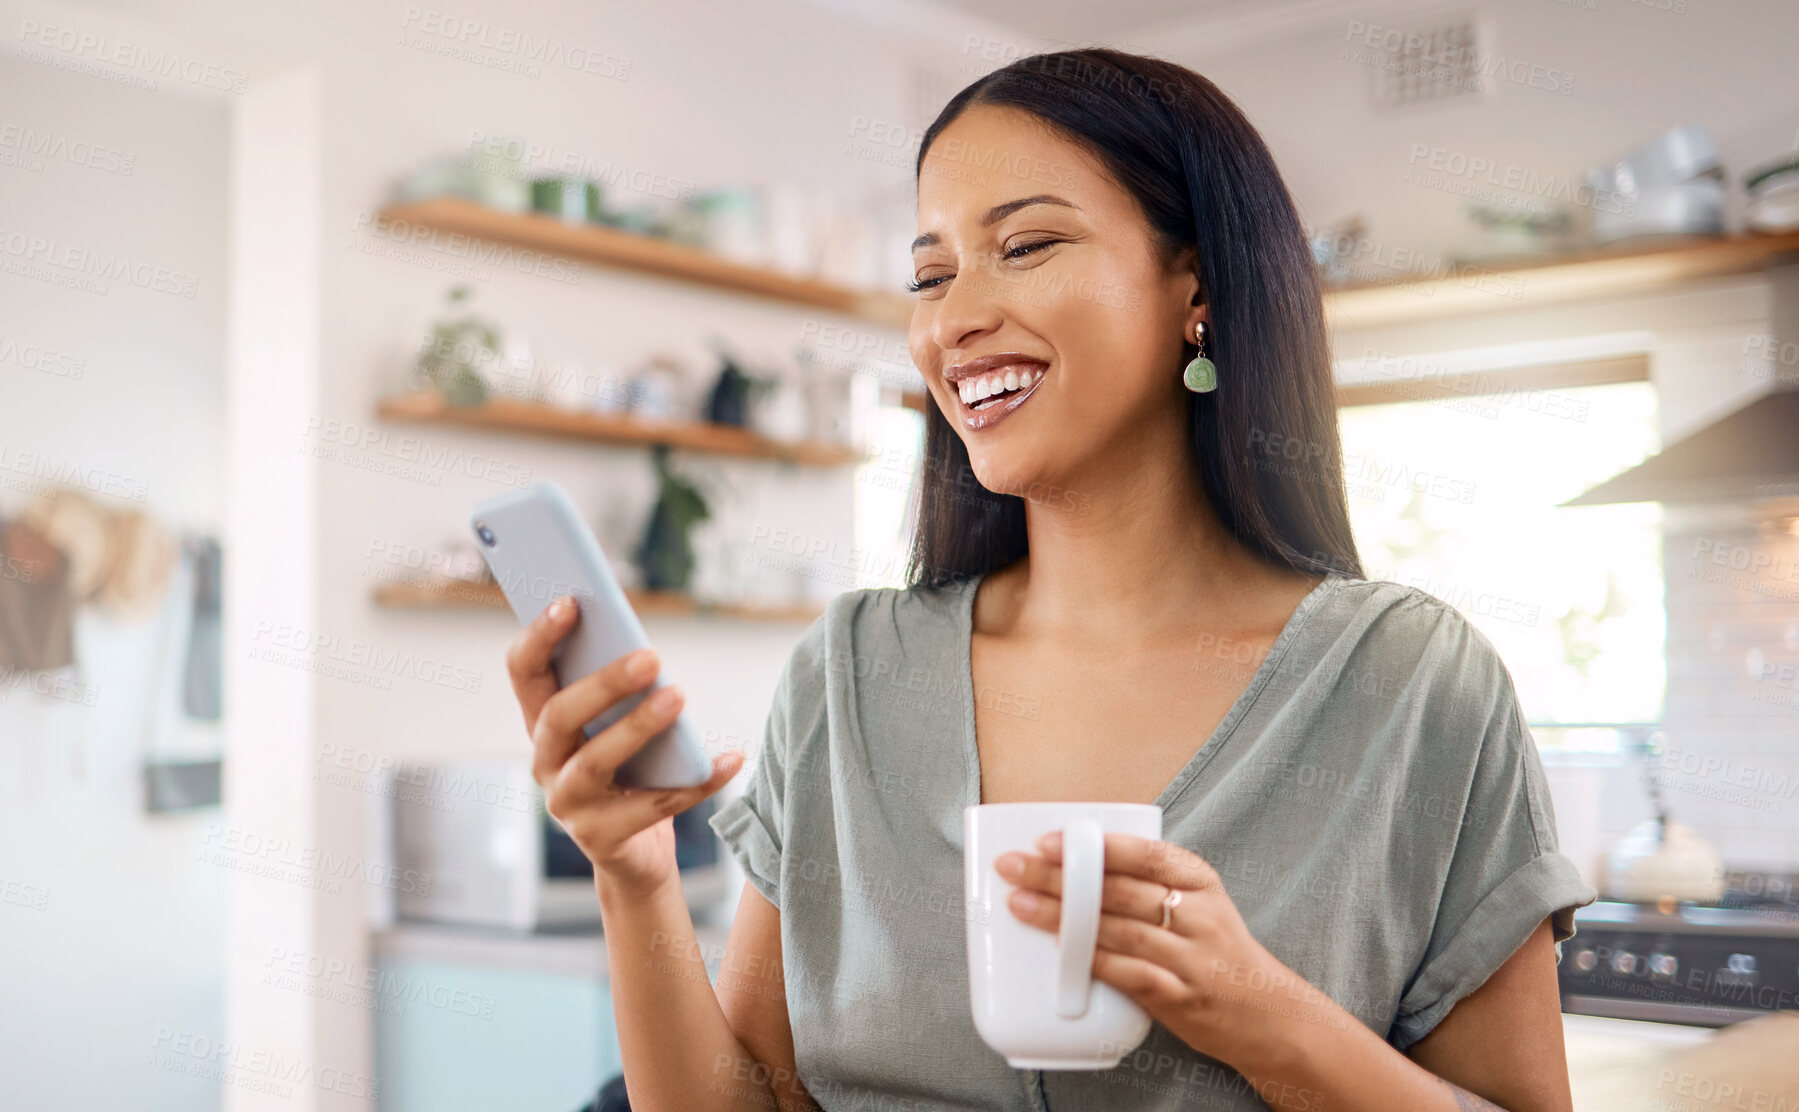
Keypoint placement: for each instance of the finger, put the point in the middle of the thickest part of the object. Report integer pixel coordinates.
(1151, 985)
(559, 725)
(1133, 897)
(1120, 894)
(593, 765)
(528, 658)
(638, 809)
(1035, 909)
(1029, 870)
(1147, 858)
(1119, 933)
(1125, 934)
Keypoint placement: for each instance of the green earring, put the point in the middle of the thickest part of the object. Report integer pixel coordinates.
(1201, 375)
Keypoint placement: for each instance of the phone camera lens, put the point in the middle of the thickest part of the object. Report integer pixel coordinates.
(486, 534)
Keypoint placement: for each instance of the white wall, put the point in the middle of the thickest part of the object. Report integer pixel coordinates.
(1635, 71)
(272, 580)
(127, 943)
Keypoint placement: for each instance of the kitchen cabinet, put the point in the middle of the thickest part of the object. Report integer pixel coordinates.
(471, 1021)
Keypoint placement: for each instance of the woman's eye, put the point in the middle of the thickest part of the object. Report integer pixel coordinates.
(1026, 248)
(1019, 251)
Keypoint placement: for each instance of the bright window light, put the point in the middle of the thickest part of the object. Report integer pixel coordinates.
(1459, 497)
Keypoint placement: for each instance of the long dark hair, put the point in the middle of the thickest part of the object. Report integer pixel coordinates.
(1266, 440)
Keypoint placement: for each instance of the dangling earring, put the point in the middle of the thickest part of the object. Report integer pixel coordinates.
(1201, 375)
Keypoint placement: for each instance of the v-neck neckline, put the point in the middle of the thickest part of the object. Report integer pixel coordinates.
(1220, 733)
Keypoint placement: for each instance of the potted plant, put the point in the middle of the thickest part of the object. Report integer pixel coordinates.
(451, 360)
(665, 555)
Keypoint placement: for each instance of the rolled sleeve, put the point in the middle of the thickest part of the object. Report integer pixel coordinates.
(754, 840)
(1506, 876)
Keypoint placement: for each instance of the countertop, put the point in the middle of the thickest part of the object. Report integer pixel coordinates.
(566, 954)
(1626, 1065)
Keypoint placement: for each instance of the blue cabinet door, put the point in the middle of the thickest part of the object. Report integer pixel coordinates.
(462, 1038)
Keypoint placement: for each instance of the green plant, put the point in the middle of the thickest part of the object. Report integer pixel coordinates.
(451, 359)
(665, 555)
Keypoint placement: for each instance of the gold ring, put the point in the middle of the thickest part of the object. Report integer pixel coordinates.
(1169, 902)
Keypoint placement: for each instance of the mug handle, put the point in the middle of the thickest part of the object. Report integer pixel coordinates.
(1077, 935)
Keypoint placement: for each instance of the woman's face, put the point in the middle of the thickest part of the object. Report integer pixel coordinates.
(1039, 271)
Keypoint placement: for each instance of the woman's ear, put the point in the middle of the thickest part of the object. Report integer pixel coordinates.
(1186, 265)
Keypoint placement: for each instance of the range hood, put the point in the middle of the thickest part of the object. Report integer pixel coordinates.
(1746, 455)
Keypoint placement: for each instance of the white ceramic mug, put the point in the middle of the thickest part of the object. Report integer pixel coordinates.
(1034, 997)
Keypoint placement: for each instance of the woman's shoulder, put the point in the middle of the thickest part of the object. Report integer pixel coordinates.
(1420, 638)
(879, 627)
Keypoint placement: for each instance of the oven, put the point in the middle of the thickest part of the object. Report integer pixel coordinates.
(1703, 966)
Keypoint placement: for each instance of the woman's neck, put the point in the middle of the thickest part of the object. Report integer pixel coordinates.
(1135, 556)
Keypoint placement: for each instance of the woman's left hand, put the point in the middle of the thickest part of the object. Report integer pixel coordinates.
(1203, 976)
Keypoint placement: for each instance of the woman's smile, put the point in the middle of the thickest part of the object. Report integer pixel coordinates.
(993, 386)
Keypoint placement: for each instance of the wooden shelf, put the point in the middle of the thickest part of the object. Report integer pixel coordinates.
(1472, 287)
(1467, 288)
(1538, 281)
(457, 594)
(535, 419)
(597, 243)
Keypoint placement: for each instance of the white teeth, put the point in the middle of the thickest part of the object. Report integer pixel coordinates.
(975, 390)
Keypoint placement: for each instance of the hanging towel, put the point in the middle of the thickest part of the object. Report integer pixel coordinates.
(143, 561)
(37, 613)
(81, 530)
(204, 677)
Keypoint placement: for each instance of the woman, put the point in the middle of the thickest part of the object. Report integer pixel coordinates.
(1133, 579)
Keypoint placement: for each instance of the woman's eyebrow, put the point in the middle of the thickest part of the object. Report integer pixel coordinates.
(1000, 212)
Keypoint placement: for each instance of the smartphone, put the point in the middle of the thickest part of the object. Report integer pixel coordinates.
(539, 549)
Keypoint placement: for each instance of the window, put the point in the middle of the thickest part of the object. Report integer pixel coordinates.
(1459, 496)
(884, 491)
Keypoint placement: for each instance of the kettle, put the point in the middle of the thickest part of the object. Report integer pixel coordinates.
(1661, 859)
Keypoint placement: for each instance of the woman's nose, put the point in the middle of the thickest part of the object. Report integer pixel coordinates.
(969, 306)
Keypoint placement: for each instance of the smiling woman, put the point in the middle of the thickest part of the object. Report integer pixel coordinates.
(1357, 885)
(1121, 591)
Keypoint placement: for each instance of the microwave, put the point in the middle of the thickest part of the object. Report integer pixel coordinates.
(486, 853)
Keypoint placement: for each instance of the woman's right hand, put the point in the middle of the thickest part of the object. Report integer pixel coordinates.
(628, 833)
